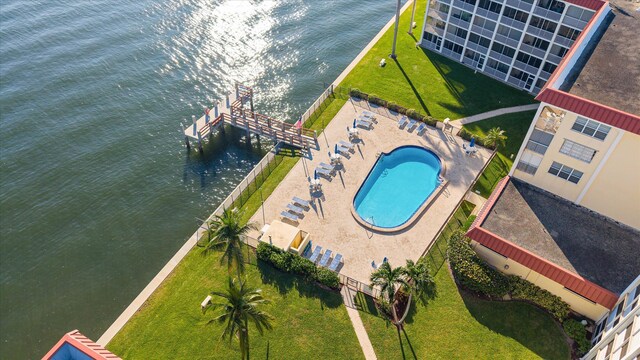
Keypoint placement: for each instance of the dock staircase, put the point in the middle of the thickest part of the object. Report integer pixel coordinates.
(237, 110)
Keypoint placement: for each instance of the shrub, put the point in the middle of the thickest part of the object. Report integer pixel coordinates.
(578, 333)
(292, 263)
(374, 99)
(328, 278)
(465, 134)
(471, 271)
(356, 93)
(412, 113)
(524, 290)
(430, 120)
(393, 106)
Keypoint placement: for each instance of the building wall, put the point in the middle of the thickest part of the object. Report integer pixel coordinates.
(451, 26)
(615, 190)
(609, 182)
(508, 266)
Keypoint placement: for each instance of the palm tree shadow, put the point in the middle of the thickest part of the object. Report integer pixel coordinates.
(413, 88)
(409, 343)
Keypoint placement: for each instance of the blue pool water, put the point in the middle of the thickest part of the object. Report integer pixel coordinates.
(397, 186)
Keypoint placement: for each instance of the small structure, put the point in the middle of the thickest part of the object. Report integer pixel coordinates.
(286, 237)
(75, 346)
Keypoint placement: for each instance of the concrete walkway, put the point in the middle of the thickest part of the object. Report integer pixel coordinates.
(490, 114)
(358, 326)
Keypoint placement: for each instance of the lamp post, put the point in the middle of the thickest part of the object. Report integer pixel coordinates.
(413, 12)
(395, 31)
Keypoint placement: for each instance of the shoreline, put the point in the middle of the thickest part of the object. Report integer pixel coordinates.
(168, 268)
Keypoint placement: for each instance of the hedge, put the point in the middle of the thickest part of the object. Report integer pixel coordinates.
(412, 113)
(467, 136)
(296, 264)
(578, 333)
(476, 275)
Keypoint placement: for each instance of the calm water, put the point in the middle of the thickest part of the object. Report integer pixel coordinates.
(398, 185)
(97, 191)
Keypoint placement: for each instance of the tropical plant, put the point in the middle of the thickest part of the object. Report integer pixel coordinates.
(422, 285)
(226, 232)
(239, 304)
(495, 137)
(388, 278)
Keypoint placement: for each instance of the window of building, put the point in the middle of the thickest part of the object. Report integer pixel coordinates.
(484, 23)
(494, 64)
(540, 83)
(515, 14)
(558, 50)
(543, 24)
(444, 8)
(549, 67)
(552, 5)
(470, 2)
(461, 14)
(634, 301)
(520, 75)
(453, 47)
(536, 42)
(480, 40)
(591, 128)
(509, 32)
(577, 151)
(579, 13)
(490, 5)
(539, 141)
(457, 31)
(607, 350)
(625, 342)
(431, 37)
(503, 49)
(565, 172)
(568, 32)
(529, 59)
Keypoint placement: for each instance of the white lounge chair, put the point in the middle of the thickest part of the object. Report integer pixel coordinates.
(421, 128)
(411, 124)
(289, 216)
(295, 209)
(341, 149)
(323, 171)
(316, 254)
(403, 122)
(337, 260)
(363, 124)
(346, 144)
(325, 258)
(369, 114)
(368, 118)
(297, 201)
(326, 166)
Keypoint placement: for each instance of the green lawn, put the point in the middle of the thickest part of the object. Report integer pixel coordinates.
(309, 322)
(515, 126)
(427, 82)
(455, 326)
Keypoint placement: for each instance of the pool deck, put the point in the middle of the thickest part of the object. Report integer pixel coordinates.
(329, 220)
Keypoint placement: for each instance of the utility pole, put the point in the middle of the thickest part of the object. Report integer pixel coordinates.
(413, 12)
(395, 31)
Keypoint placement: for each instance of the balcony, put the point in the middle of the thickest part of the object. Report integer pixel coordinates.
(487, 14)
(525, 67)
(513, 23)
(459, 22)
(547, 14)
(477, 48)
(494, 73)
(481, 31)
(463, 5)
(506, 41)
(549, 120)
(520, 5)
(437, 15)
(544, 75)
(455, 38)
(502, 58)
(528, 49)
(544, 34)
(554, 59)
(434, 30)
(561, 40)
(575, 23)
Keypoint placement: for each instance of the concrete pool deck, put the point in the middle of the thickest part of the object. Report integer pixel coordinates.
(329, 220)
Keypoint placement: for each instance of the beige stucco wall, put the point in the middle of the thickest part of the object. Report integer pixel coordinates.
(611, 182)
(576, 302)
(615, 190)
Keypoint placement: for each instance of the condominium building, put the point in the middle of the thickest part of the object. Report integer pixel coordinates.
(617, 333)
(520, 42)
(567, 218)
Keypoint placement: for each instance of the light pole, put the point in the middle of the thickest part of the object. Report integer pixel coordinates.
(395, 31)
(413, 12)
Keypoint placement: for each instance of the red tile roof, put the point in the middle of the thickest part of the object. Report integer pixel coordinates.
(568, 279)
(84, 344)
(591, 109)
(589, 4)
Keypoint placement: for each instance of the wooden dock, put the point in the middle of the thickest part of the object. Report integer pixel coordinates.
(237, 110)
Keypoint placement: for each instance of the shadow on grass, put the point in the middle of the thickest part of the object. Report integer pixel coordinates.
(413, 88)
(526, 324)
(286, 282)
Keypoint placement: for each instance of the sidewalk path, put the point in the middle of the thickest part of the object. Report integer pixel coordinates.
(489, 114)
(358, 326)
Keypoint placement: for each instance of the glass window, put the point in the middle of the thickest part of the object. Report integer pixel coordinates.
(543, 24)
(552, 5)
(577, 151)
(591, 128)
(565, 172)
(515, 14)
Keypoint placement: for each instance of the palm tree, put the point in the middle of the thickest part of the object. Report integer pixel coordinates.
(240, 307)
(419, 277)
(227, 232)
(388, 278)
(495, 137)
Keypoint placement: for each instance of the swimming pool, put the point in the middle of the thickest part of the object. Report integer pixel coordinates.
(397, 187)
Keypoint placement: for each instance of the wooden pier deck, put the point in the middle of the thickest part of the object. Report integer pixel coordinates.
(233, 111)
